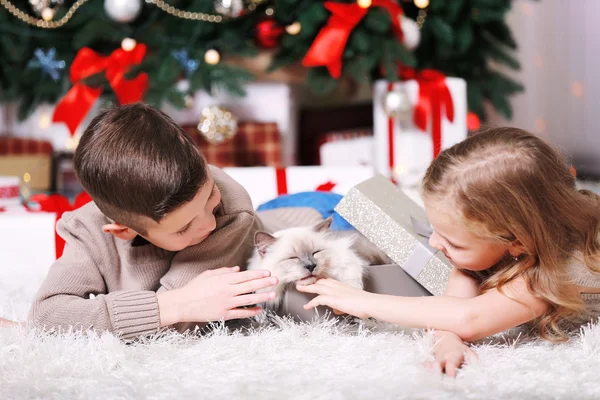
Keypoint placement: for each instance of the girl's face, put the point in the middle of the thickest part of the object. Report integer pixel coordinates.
(462, 247)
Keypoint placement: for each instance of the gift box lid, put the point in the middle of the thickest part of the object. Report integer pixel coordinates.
(399, 227)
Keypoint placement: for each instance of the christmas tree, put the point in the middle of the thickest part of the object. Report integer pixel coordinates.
(124, 50)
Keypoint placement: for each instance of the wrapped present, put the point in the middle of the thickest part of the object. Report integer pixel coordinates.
(27, 246)
(399, 227)
(10, 193)
(264, 102)
(254, 144)
(57, 205)
(266, 183)
(352, 147)
(27, 158)
(414, 120)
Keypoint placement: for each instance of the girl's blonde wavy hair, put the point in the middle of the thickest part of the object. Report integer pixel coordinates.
(509, 185)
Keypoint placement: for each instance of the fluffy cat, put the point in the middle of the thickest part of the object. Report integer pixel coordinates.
(304, 254)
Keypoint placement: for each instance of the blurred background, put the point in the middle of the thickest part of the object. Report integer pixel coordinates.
(380, 84)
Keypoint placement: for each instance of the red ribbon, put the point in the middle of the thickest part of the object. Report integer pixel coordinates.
(77, 103)
(281, 181)
(434, 101)
(328, 47)
(9, 192)
(59, 204)
(282, 187)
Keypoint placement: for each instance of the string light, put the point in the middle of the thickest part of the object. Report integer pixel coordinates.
(422, 3)
(48, 14)
(128, 44)
(577, 89)
(294, 28)
(71, 143)
(26, 177)
(364, 3)
(44, 121)
(212, 57)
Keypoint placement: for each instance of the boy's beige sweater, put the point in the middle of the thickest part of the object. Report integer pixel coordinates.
(124, 276)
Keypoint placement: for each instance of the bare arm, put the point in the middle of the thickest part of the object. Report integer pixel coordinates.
(469, 318)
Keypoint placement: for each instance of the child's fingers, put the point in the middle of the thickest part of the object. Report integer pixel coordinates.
(317, 301)
(249, 275)
(471, 356)
(222, 271)
(316, 288)
(337, 312)
(255, 298)
(255, 284)
(451, 365)
(434, 366)
(239, 313)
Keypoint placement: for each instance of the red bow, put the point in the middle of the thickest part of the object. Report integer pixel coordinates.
(76, 104)
(59, 204)
(434, 100)
(328, 47)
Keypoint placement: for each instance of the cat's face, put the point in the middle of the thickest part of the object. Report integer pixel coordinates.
(301, 255)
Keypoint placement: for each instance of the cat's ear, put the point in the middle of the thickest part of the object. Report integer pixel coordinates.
(262, 241)
(324, 225)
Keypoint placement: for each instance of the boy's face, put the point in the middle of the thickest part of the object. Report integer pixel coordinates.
(188, 225)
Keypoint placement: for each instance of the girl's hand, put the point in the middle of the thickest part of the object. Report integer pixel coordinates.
(450, 353)
(341, 297)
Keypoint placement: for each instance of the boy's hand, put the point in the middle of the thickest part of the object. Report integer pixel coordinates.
(450, 353)
(341, 297)
(216, 295)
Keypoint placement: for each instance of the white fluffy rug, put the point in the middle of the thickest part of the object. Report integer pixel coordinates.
(322, 360)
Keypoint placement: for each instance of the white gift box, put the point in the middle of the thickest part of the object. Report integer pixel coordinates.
(10, 193)
(412, 148)
(355, 151)
(266, 183)
(27, 246)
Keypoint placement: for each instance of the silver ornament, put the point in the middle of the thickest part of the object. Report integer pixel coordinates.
(411, 34)
(217, 124)
(229, 8)
(123, 10)
(396, 104)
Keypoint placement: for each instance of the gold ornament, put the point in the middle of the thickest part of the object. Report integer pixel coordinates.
(397, 105)
(128, 44)
(212, 57)
(294, 29)
(422, 3)
(217, 124)
(364, 3)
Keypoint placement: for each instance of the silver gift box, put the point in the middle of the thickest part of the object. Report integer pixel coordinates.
(399, 227)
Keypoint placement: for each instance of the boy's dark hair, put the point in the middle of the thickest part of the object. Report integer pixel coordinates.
(135, 161)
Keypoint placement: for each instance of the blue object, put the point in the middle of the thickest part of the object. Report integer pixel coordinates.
(48, 63)
(189, 65)
(323, 202)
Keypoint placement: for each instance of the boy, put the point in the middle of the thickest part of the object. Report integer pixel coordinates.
(150, 251)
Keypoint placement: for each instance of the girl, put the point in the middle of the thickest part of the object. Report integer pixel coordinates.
(522, 240)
